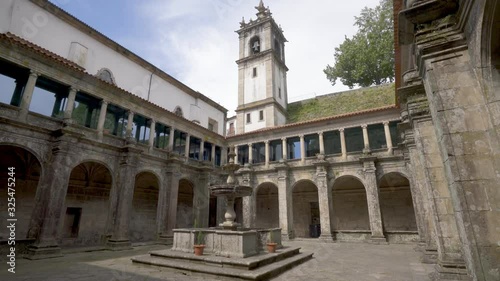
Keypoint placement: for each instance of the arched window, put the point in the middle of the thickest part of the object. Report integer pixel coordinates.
(255, 45)
(178, 111)
(106, 75)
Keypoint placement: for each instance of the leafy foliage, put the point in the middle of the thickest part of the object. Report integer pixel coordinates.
(368, 57)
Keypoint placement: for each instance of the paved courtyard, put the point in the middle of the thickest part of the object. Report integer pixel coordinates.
(332, 261)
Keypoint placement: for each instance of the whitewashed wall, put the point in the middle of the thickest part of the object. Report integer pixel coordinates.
(31, 22)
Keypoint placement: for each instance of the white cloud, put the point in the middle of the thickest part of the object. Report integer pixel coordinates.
(194, 40)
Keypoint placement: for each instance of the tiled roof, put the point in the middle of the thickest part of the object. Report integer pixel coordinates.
(341, 103)
(297, 124)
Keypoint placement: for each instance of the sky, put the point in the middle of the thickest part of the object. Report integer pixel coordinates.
(195, 40)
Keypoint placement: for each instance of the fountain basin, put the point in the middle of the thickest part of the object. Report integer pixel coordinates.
(230, 190)
(239, 243)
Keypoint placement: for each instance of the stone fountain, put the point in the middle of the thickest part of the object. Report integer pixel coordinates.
(230, 250)
(230, 191)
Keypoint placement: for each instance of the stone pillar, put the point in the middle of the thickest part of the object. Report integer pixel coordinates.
(366, 139)
(213, 154)
(130, 126)
(27, 95)
(223, 160)
(162, 209)
(236, 154)
(302, 149)
(102, 119)
(201, 199)
(171, 137)
(325, 200)
(124, 190)
(250, 154)
(285, 202)
(388, 139)
(152, 134)
(49, 205)
(321, 144)
(267, 153)
(284, 150)
(172, 180)
(186, 147)
(342, 144)
(248, 201)
(372, 198)
(68, 111)
(202, 150)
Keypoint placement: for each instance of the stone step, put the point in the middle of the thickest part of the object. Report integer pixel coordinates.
(262, 273)
(242, 263)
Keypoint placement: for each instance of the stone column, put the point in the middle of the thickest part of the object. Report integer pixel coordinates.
(223, 157)
(325, 200)
(388, 139)
(284, 148)
(250, 154)
(152, 134)
(102, 119)
(267, 153)
(186, 147)
(27, 95)
(236, 154)
(68, 111)
(172, 180)
(248, 201)
(125, 192)
(201, 199)
(130, 126)
(372, 198)
(162, 209)
(302, 149)
(202, 150)
(285, 202)
(321, 144)
(366, 139)
(49, 205)
(171, 137)
(213, 154)
(342, 143)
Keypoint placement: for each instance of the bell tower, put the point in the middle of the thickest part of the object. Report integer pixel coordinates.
(262, 87)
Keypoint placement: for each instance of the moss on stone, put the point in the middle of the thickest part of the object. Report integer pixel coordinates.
(341, 103)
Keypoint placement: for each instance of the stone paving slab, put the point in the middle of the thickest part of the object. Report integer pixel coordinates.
(331, 261)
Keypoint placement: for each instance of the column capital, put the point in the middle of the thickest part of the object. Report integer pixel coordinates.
(34, 73)
(321, 133)
(341, 130)
(73, 89)
(283, 139)
(153, 121)
(129, 112)
(250, 145)
(104, 102)
(266, 141)
(386, 123)
(364, 126)
(301, 136)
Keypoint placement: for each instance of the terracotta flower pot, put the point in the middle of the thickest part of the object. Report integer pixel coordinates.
(198, 250)
(271, 247)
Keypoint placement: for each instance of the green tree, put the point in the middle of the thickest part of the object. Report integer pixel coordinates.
(368, 57)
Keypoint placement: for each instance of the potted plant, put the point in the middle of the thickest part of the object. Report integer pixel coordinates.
(199, 245)
(271, 245)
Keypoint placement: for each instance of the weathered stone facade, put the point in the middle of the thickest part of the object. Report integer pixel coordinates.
(449, 96)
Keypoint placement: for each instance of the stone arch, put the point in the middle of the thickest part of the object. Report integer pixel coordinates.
(178, 111)
(490, 51)
(106, 75)
(97, 161)
(396, 203)
(255, 45)
(24, 182)
(350, 206)
(305, 205)
(267, 205)
(144, 207)
(86, 207)
(185, 204)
